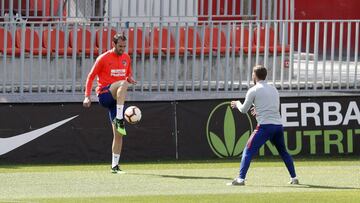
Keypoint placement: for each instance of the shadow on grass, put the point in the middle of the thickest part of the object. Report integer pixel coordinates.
(328, 187)
(184, 177)
(310, 186)
(9, 167)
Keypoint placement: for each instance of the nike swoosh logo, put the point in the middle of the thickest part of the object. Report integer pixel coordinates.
(10, 143)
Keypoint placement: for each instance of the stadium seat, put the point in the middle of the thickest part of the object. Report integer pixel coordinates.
(164, 39)
(28, 40)
(246, 36)
(9, 40)
(79, 45)
(271, 40)
(104, 40)
(139, 47)
(215, 37)
(61, 40)
(190, 45)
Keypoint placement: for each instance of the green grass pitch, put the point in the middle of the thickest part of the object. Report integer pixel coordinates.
(326, 180)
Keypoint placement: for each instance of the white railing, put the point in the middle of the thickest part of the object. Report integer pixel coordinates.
(145, 10)
(197, 60)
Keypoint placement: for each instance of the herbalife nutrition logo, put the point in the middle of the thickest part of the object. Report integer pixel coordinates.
(227, 131)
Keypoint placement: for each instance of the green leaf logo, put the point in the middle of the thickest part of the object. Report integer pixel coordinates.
(227, 144)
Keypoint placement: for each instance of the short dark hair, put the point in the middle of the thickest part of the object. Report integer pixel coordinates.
(260, 72)
(118, 36)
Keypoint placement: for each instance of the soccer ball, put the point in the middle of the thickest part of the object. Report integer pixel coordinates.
(132, 114)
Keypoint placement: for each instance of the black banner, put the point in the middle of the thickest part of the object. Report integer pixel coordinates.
(313, 126)
(205, 129)
(88, 137)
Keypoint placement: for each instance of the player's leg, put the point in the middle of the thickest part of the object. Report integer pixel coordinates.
(119, 91)
(116, 150)
(106, 100)
(256, 140)
(117, 142)
(279, 143)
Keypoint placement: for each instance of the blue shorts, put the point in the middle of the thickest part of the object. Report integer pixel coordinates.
(106, 100)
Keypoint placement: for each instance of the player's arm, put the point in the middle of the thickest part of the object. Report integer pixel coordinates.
(249, 100)
(129, 77)
(89, 82)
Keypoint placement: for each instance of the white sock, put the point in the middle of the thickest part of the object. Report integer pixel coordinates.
(115, 160)
(119, 111)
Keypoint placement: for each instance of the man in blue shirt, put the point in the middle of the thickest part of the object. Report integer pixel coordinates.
(266, 101)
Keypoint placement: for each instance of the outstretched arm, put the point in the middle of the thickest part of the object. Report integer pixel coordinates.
(129, 77)
(249, 100)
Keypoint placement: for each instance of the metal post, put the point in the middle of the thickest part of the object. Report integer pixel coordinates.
(22, 58)
(333, 27)
(257, 9)
(218, 62)
(75, 30)
(263, 10)
(186, 54)
(356, 53)
(194, 64)
(151, 56)
(202, 57)
(266, 51)
(233, 53)
(269, 9)
(348, 55)
(275, 52)
(27, 8)
(217, 7)
(227, 38)
(167, 57)
(159, 54)
(249, 11)
(176, 72)
(3, 8)
(241, 51)
(275, 9)
(226, 8)
(307, 54)
(210, 54)
(142, 70)
(324, 54)
(209, 10)
(40, 57)
(56, 54)
(31, 57)
(66, 39)
(248, 74)
(13, 56)
(341, 37)
(292, 9)
(4, 78)
(299, 55)
(137, 7)
(234, 7)
(291, 54)
(316, 53)
(257, 42)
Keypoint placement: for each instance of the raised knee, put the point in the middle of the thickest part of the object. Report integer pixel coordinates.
(123, 86)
